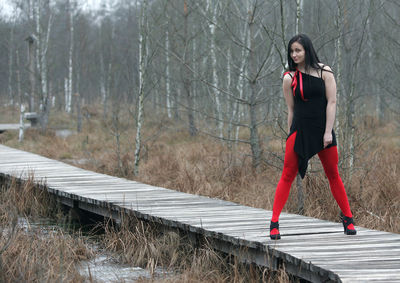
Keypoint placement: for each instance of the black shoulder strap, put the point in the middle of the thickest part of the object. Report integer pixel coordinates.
(288, 72)
(322, 69)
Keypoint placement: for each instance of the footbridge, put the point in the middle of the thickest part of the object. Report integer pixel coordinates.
(310, 248)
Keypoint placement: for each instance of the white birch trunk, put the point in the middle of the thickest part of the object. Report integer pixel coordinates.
(38, 48)
(243, 73)
(194, 68)
(21, 123)
(31, 10)
(38, 33)
(41, 55)
(107, 76)
(167, 74)
(70, 58)
(142, 65)
(298, 15)
(43, 63)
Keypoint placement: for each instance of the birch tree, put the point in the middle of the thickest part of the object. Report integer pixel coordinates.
(184, 72)
(10, 65)
(216, 62)
(351, 97)
(69, 84)
(167, 72)
(299, 13)
(142, 67)
(41, 49)
(107, 30)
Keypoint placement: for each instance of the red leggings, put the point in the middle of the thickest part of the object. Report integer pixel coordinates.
(329, 158)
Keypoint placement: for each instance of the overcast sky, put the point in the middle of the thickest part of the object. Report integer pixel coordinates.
(6, 9)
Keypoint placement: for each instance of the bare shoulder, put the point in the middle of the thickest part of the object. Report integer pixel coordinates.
(328, 73)
(287, 78)
(325, 67)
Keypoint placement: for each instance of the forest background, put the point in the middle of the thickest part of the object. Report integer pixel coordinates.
(187, 94)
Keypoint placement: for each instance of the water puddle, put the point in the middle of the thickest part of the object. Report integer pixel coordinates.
(64, 133)
(103, 267)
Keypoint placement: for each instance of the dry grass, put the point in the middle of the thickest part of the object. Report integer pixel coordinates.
(27, 200)
(34, 258)
(202, 165)
(184, 258)
(28, 254)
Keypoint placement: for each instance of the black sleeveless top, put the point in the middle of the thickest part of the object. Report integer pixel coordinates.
(309, 118)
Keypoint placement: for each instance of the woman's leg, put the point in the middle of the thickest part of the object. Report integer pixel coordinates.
(290, 168)
(329, 159)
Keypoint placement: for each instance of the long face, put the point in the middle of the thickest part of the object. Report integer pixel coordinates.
(297, 53)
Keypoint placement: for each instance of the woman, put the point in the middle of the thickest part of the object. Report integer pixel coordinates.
(310, 92)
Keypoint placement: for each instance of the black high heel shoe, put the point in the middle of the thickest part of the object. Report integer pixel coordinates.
(272, 226)
(346, 222)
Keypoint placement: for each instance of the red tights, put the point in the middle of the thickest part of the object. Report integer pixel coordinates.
(329, 158)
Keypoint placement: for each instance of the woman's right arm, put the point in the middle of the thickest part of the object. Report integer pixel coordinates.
(287, 92)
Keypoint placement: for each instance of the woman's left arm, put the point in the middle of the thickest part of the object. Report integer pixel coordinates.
(330, 87)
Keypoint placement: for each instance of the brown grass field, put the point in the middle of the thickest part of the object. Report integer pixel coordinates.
(29, 254)
(202, 165)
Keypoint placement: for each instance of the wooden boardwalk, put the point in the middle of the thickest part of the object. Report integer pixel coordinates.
(5, 127)
(310, 248)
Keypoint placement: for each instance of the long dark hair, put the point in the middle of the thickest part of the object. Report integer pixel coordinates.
(311, 58)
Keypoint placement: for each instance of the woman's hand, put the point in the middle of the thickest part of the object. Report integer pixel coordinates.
(327, 139)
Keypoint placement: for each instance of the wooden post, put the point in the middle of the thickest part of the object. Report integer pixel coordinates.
(79, 112)
(31, 57)
(21, 124)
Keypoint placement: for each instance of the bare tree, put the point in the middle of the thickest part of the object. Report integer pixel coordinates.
(143, 60)
(41, 55)
(10, 65)
(167, 71)
(69, 84)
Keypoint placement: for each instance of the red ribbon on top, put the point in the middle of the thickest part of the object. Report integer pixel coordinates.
(294, 83)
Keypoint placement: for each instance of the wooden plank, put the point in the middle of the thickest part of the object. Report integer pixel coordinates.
(6, 127)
